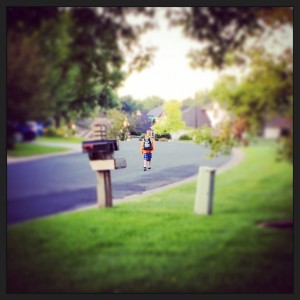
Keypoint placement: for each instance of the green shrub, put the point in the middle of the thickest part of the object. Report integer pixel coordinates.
(57, 132)
(163, 140)
(166, 136)
(185, 137)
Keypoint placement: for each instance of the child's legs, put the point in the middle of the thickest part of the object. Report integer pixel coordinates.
(149, 160)
(145, 160)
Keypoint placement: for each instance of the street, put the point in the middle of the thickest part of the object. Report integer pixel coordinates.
(50, 185)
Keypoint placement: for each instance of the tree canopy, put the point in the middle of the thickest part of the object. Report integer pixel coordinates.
(130, 106)
(152, 102)
(226, 30)
(264, 92)
(237, 36)
(66, 61)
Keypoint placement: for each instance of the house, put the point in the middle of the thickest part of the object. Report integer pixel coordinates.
(216, 113)
(212, 115)
(277, 127)
(195, 117)
(156, 113)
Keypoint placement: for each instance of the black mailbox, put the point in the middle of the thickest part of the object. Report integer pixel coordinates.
(101, 159)
(100, 149)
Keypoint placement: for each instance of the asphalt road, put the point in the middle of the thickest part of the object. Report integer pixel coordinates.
(50, 185)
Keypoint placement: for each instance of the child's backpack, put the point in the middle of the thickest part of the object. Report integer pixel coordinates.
(147, 144)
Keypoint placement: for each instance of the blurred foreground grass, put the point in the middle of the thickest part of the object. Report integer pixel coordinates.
(158, 245)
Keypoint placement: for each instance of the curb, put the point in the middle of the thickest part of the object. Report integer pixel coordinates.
(238, 156)
(12, 160)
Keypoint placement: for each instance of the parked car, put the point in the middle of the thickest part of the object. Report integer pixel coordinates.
(26, 131)
(40, 128)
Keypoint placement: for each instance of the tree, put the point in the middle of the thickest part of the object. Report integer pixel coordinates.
(266, 91)
(226, 30)
(102, 38)
(119, 127)
(152, 102)
(130, 105)
(26, 99)
(220, 141)
(78, 53)
(172, 120)
(228, 34)
(200, 98)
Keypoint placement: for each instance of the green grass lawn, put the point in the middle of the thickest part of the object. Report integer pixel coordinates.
(72, 139)
(158, 245)
(28, 149)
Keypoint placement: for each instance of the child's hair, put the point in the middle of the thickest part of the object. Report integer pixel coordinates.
(148, 132)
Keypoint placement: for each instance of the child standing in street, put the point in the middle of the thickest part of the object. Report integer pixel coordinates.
(147, 148)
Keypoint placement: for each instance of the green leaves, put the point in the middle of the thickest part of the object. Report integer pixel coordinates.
(119, 127)
(26, 92)
(225, 30)
(219, 141)
(66, 61)
(266, 91)
(172, 120)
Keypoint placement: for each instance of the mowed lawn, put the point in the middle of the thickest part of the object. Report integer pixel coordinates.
(28, 149)
(24, 149)
(158, 245)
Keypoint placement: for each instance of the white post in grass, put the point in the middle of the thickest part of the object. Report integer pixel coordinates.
(205, 191)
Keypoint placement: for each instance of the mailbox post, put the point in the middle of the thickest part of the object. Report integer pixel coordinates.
(205, 191)
(101, 157)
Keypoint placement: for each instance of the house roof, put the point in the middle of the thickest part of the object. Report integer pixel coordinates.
(207, 106)
(195, 117)
(211, 105)
(156, 111)
(280, 122)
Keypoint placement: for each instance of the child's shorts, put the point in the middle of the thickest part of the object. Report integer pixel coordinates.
(147, 156)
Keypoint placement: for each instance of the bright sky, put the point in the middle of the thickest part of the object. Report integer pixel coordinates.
(170, 76)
